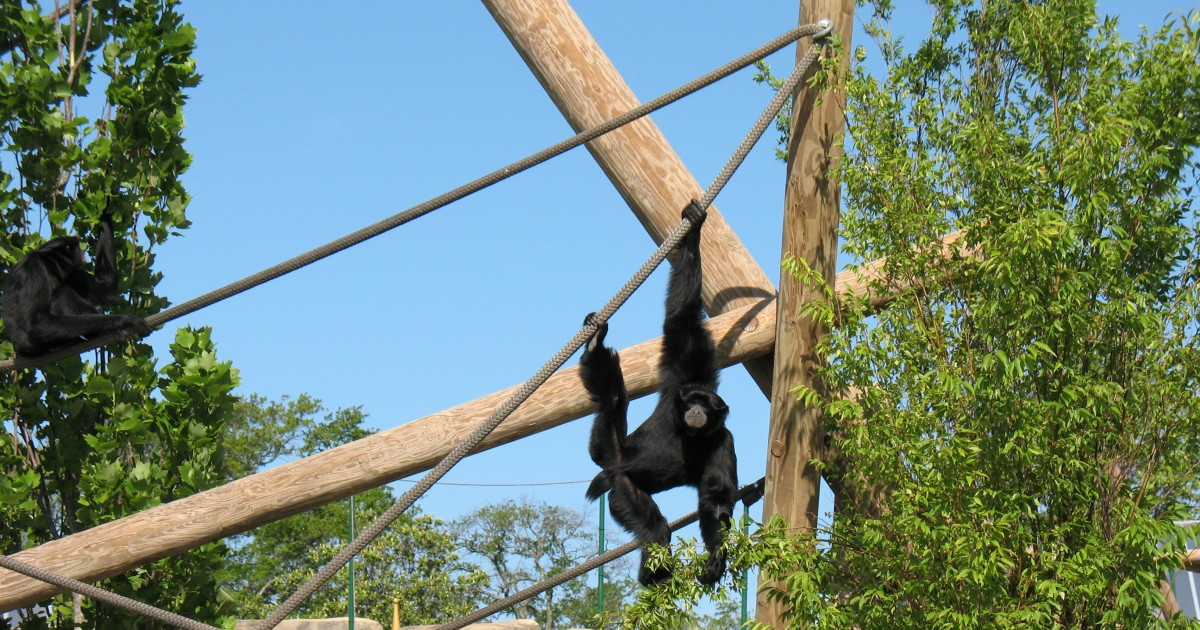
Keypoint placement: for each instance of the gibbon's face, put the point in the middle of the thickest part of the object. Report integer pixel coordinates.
(702, 411)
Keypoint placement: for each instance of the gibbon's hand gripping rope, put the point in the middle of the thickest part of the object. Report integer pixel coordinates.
(419, 210)
(482, 431)
(749, 495)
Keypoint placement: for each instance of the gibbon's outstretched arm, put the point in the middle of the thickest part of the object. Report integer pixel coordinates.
(689, 355)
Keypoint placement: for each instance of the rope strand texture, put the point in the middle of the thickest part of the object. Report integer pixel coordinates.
(483, 430)
(419, 210)
(98, 594)
(752, 491)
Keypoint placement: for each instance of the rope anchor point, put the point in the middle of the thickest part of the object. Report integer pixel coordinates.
(826, 26)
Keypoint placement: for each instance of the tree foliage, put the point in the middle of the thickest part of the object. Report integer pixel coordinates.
(91, 114)
(264, 432)
(415, 560)
(675, 603)
(522, 542)
(1017, 433)
(1041, 380)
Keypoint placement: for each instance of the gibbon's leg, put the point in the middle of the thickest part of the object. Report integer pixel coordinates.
(637, 512)
(718, 493)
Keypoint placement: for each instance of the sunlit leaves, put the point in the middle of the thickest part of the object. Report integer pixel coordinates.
(91, 122)
(1025, 415)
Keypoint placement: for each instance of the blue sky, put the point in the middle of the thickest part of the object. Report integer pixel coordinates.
(316, 119)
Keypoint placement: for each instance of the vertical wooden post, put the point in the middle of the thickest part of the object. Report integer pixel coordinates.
(809, 234)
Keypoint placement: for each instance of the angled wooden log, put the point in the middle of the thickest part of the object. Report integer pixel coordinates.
(637, 158)
(273, 494)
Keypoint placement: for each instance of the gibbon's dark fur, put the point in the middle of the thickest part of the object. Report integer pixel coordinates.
(684, 441)
(51, 301)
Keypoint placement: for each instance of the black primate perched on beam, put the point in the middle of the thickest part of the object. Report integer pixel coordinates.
(51, 301)
(684, 442)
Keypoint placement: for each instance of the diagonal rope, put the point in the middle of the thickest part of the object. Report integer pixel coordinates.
(419, 210)
(99, 594)
(482, 431)
(749, 494)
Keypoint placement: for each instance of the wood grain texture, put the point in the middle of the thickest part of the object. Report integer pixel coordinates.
(265, 497)
(810, 234)
(273, 494)
(651, 178)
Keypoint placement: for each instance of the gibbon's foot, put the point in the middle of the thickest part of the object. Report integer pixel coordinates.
(597, 339)
(714, 568)
(694, 214)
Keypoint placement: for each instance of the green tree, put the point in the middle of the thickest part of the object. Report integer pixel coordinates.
(1043, 406)
(1018, 431)
(90, 442)
(263, 432)
(522, 543)
(576, 605)
(415, 560)
(675, 603)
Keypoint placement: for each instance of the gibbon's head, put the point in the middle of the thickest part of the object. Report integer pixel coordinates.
(701, 410)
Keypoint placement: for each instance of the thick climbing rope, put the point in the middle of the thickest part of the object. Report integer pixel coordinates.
(421, 209)
(749, 495)
(483, 430)
(101, 595)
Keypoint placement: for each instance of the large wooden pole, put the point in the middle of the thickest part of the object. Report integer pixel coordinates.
(584, 84)
(745, 333)
(809, 234)
(273, 494)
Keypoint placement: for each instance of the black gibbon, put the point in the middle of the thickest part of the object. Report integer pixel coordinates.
(51, 301)
(684, 441)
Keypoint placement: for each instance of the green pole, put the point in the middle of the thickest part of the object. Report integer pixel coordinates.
(351, 603)
(600, 569)
(745, 572)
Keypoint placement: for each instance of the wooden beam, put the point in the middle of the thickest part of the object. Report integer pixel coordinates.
(1170, 606)
(809, 234)
(653, 181)
(273, 494)
(857, 282)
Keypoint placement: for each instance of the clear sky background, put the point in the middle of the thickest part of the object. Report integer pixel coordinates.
(315, 119)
